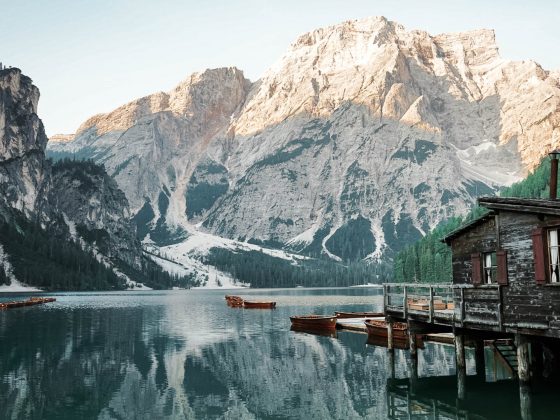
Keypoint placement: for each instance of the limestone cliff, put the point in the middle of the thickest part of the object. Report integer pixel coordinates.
(75, 204)
(360, 139)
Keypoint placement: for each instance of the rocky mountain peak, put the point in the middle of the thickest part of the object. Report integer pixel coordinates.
(21, 130)
(61, 138)
(22, 143)
(218, 91)
(361, 138)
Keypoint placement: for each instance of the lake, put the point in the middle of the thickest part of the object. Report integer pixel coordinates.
(186, 354)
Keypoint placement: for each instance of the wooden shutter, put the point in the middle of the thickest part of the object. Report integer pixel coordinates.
(539, 255)
(476, 268)
(501, 261)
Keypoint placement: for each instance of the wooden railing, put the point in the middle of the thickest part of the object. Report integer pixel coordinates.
(456, 303)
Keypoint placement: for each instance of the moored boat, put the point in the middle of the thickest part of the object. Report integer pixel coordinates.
(378, 327)
(29, 302)
(358, 314)
(235, 301)
(313, 322)
(259, 304)
(398, 343)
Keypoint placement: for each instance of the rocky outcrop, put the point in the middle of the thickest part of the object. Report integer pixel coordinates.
(360, 139)
(72, 201)
(152, 145)
(23, 171)
(95, 209)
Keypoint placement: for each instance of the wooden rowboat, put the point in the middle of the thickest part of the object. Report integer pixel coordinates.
(234, 301)
(29, 302)
(259, 305)
(358, 314)
(378, 327)
(398, 343)
(314, 322)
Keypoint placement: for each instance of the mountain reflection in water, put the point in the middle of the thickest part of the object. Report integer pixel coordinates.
(186, 354)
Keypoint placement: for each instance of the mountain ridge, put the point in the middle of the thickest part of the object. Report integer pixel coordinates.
(362, 128)
(63, 226)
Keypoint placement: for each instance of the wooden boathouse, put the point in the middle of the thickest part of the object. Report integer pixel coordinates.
(505, 289)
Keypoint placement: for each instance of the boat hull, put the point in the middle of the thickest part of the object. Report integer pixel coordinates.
(29, 302)
(259, 305)
(314, 323)
(379, 328)
(378, 335)
(342, 315)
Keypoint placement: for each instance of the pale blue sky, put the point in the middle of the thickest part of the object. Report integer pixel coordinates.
(92, 56)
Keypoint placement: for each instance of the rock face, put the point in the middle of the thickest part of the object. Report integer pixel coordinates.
(96, 209)
(23, 171)
(152, 145)
(361, 138)
(72, 200)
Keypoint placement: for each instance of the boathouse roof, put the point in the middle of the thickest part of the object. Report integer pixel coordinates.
(522, 205)
(495, 204)
(467, 226)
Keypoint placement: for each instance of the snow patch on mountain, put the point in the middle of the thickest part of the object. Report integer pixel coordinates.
(186, 258)
(15, 285)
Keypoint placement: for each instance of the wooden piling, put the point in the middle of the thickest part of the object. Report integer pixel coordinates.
(461, 384)
(523, 358)
(390, 364)
(413, 379)
(389, 333)
(525, 402)
(460, 352)
(412, 342)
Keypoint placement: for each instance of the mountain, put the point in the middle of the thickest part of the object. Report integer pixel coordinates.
(62, 226)
(359, 140)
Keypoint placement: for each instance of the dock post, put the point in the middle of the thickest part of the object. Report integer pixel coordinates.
(385, 299)
(413, 359)
(389, 333)
(525, 401)
(391, 363)
(461, 365)
(405, 302)
(412, 342)
(431, 307)
(523, 358)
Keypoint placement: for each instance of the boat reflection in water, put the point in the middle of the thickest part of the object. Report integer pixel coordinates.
(398, 342)
(321, 333)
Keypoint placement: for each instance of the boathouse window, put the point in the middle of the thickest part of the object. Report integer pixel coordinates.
(489, 267)
(554, 269)
(546, 253)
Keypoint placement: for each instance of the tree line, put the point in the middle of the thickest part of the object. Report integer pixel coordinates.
(429, 260)
(262, 270)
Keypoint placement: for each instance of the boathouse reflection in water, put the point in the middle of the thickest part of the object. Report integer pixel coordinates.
(176, 355)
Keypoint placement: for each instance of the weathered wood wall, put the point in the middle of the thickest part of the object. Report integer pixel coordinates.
(525, 304)
(525, 301)
(480, 238)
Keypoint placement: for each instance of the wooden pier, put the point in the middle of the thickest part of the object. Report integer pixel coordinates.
(505, 294)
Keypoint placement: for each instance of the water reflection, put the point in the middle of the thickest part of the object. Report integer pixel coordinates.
(187, 355)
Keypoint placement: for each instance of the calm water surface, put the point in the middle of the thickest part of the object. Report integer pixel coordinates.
(185, 354)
